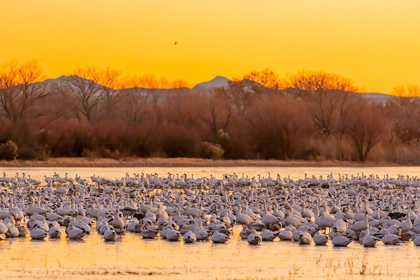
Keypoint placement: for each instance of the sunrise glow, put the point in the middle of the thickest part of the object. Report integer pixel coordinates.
(375, 43)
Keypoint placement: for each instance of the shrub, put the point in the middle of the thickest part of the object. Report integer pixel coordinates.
(107, 153)
(90, 154)
(209, 150)
(8, 150)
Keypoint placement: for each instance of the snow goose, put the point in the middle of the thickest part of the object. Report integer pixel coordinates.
(391, 239)
(189, 237)
(246, 232)
(75, 233)
(54, 232)
(110, 235)
(173, 235)
(38, 234)
(201, 233)
(149, 232)
(368, 240)
(320, 239)
(254, 239)
(305, 237)
(267, 235)
(117, 222)
(285, 235)
(417, 240)
(3, 228)
(218, 237)
(406, 225)
(360, 225)
(340, 241)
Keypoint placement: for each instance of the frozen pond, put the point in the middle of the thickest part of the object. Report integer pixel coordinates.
(136, 258)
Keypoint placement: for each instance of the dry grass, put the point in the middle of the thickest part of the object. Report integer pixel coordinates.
(357, 266)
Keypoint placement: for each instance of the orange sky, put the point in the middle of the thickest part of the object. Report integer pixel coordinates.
(375, 42)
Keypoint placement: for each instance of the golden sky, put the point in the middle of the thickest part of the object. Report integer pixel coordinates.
(374, 42)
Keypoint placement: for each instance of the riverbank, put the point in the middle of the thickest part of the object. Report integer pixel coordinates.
(179, 162)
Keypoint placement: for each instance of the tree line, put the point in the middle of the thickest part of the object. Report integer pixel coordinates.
(308, 115)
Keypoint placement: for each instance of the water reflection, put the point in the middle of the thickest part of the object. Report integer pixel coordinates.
(236, 259)
(134, 257)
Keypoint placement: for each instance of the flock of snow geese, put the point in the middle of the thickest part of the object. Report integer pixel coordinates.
(358, 208)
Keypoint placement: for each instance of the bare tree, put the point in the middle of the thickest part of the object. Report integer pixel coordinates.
(217, 112)
(346, 102)
(88, 95)
(310, 81)
(111, 80)
(266, 77)
(19, 88)
(366, 127)
(58, 106)
(328, 96)
(241, 95)
(406, 98)
(135, 104)
(276, 126)
(140, 91)
(180, 83)
(404, 111)
(147, 87)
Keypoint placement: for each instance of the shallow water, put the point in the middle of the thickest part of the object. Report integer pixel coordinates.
(133, 257)
(294, 172)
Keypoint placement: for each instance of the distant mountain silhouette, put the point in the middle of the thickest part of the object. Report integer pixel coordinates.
(74, 82)
(379, 97)
(217, 82)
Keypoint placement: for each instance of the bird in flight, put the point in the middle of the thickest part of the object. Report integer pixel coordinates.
(176, 43)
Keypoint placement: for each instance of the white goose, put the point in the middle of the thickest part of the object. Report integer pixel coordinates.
(368, 240)
(320, 239)
(391, 239)
(305, 237)
(75, 233)
(218, 237)
(38, 234)
(340, 241)
(189, 237)
(254, 239)
(110, 235)
(267, 235)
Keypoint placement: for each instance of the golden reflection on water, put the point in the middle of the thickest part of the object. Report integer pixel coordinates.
(133, 257)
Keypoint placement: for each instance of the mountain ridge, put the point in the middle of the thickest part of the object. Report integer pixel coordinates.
(206, 86)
